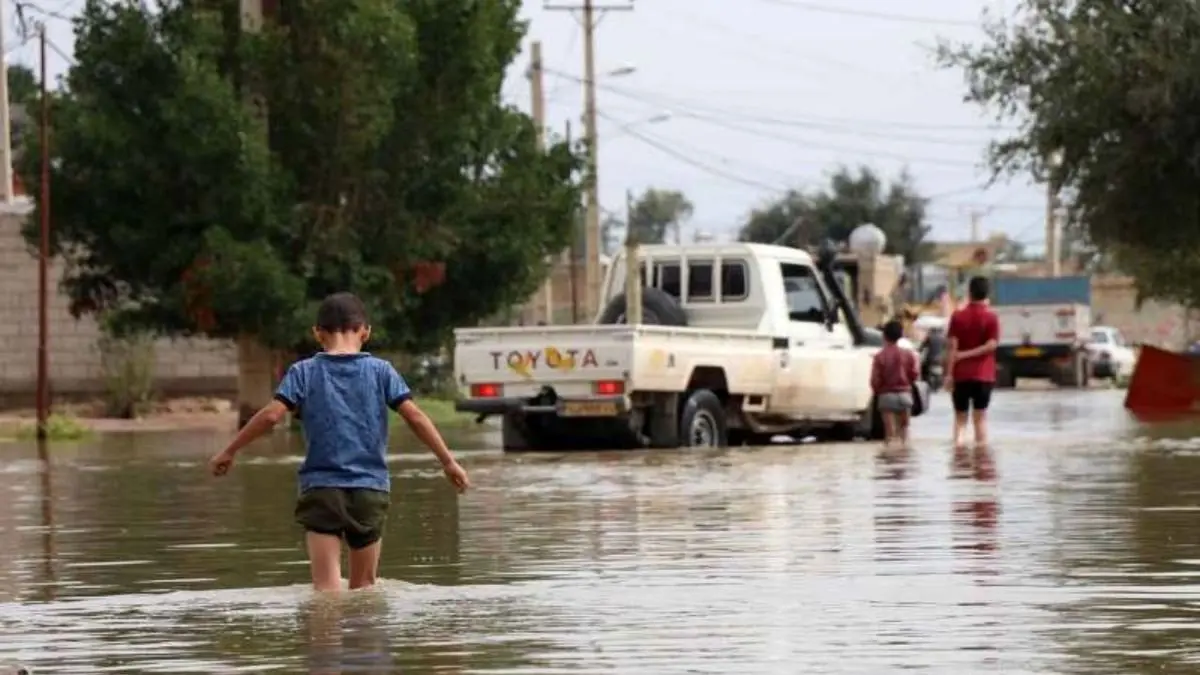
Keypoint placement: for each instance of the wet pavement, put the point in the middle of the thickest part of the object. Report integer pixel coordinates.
(1070, 547)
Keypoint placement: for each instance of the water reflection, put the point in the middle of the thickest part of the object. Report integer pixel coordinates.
(347, 633)
(1051, 552)
(49, 556)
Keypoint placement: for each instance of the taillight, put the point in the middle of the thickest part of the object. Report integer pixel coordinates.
(610, 387)
(486, 390)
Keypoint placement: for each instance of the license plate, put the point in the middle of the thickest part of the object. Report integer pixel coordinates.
(1027, 352)
(589, 409)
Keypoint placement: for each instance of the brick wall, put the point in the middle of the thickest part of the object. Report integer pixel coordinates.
(182, 366)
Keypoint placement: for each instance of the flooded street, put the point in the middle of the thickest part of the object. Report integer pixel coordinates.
(1070, 547)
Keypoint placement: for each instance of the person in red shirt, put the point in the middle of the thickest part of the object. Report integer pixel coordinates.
(892, 375)
(974, 332)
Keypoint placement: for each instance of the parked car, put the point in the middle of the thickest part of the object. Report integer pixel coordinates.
(1111, 356)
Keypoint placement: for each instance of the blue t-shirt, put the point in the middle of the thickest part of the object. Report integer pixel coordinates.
(343, 401)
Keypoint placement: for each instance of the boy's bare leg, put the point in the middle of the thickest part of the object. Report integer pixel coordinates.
(324, 561)
(364, 565)
(903, 422)
(979, 422)
(889, 428)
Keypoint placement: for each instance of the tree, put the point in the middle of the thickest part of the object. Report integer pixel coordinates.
(23, 86)
(1105, 95)
(768, 224)
(657, 212)
(390, 168)
(611, 229)
(849, 201)
(1015, 252)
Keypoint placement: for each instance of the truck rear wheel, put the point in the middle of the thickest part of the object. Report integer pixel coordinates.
(702, 421)
(1006, 377)
(518, 435)
(868, 427)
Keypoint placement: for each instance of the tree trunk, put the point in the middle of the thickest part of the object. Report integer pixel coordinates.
(256, 377)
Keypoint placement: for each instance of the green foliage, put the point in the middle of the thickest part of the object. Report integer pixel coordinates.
(387, 148)
(441, 412)
(58, 428)
(654, 214)
(23, 86)
(127, 362)
(1106, 95)
(849, 201)
(657, 212)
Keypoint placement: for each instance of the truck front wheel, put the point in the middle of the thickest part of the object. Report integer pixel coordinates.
(702, 421)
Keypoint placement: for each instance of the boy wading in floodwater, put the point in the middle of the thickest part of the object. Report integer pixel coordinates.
(893, 373)
(344, 394)
(974, 332)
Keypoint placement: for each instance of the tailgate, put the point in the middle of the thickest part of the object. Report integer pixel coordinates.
(1050, 324)
(520, 361)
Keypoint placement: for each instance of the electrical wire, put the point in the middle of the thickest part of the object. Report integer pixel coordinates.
(850, 124)
(672, 152)
(871, 14)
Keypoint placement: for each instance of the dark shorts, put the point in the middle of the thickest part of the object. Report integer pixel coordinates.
(356, 515)
(971, 394)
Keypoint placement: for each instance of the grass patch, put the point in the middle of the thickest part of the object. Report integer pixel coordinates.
(442, 412)
(58, 428)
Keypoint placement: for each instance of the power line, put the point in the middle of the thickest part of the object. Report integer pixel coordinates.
(717, 121)
(752, 40)
(694, 163)
(642, 95)
(871, 14)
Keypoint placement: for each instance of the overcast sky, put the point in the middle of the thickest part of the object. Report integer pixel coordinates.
(764, 95)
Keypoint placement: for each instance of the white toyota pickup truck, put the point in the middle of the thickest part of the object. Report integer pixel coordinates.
(738, 343)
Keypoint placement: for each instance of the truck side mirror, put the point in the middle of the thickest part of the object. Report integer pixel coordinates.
(831, 318)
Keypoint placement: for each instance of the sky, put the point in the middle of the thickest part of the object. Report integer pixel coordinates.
(758, 96)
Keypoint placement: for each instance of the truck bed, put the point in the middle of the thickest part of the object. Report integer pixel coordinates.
(521, 361)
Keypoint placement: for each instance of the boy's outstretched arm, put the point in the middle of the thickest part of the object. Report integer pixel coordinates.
(263, 421)
(424, 429)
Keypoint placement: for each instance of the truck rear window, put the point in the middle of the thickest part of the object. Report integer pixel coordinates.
(734, 281)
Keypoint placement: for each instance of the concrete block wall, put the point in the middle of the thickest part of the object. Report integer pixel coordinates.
(1114, 303)
(182, 366)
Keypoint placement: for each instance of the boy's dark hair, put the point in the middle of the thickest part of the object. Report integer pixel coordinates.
(893, 331)
(341, 313)
(978, 288)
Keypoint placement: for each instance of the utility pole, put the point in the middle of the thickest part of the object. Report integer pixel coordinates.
(43, 357)
(6, 168)
(589, 11)
(573, 265)
(633, 277)
(256, 363)
(975, 217)
(537, 90)
(1053, 236)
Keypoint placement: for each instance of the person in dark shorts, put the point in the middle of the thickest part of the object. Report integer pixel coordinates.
(893, 372)
(974, 332)
(344, 394)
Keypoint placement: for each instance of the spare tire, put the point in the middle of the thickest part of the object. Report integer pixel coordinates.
(658, 308)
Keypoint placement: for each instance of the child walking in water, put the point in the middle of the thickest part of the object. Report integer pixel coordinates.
(893, 373)
(344, 394)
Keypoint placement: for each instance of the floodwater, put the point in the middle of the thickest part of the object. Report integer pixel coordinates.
(1070, 547)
